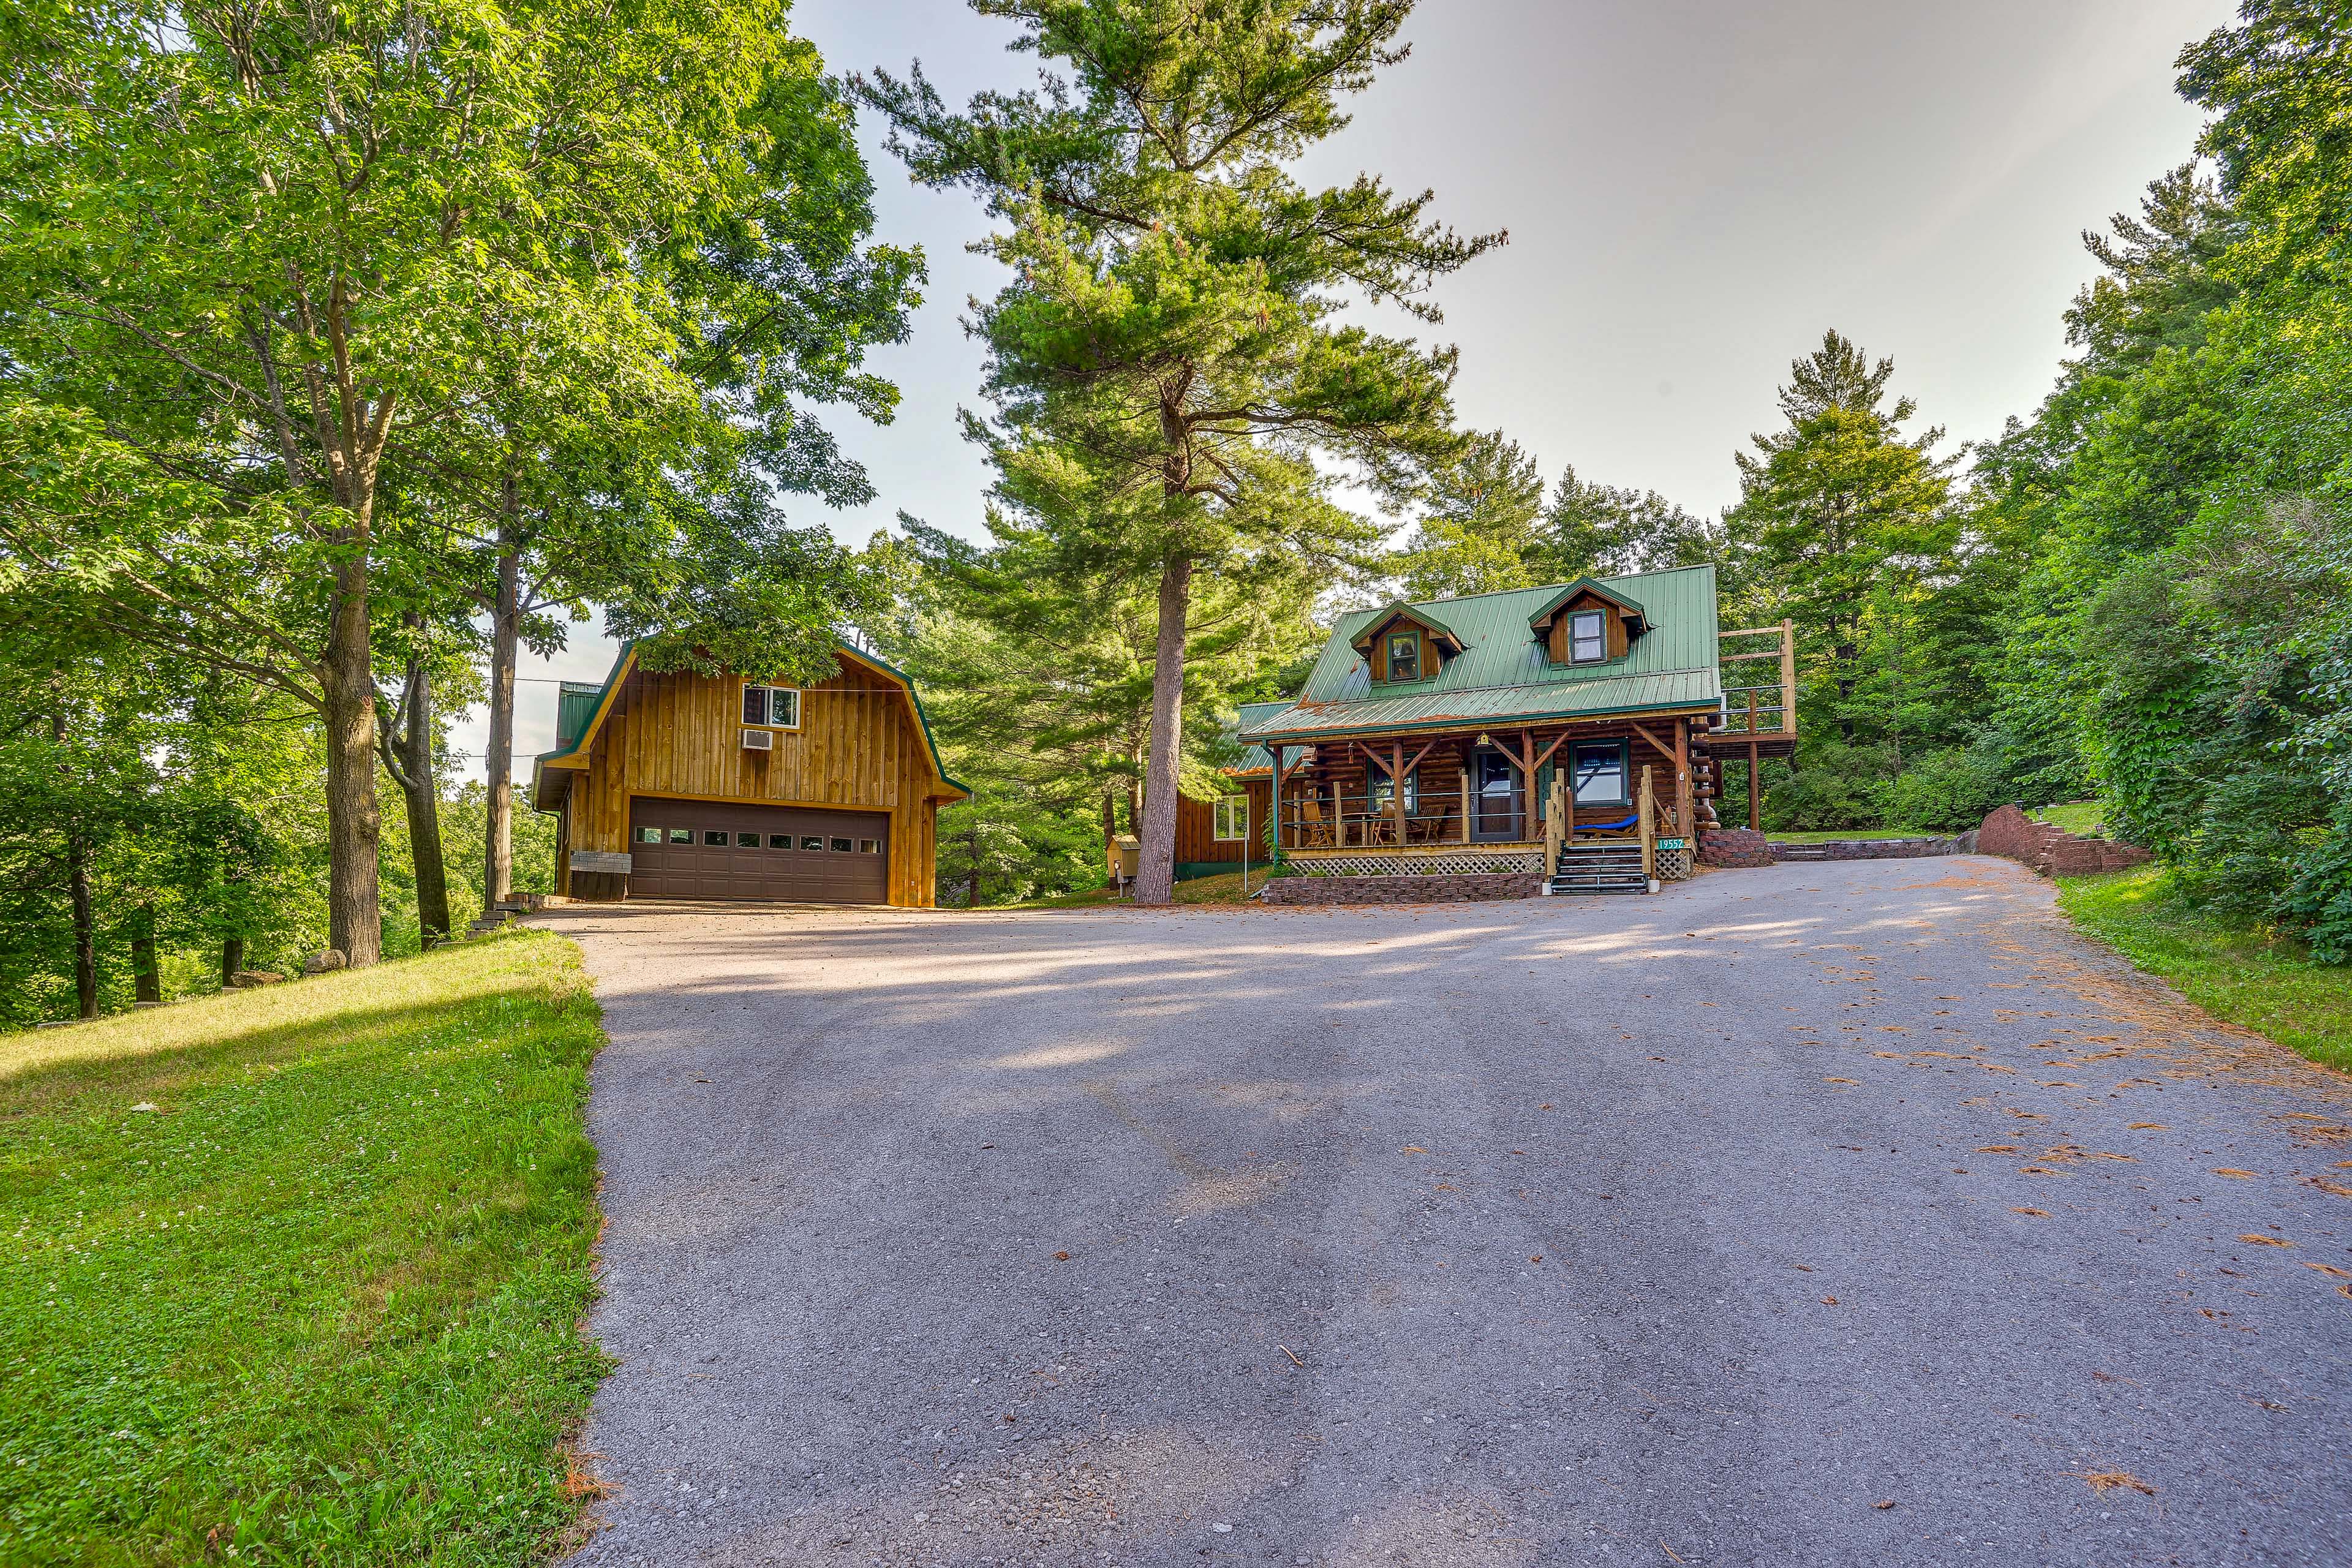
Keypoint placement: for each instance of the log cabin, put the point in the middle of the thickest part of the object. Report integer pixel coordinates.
(1568, 735)
(678, 785)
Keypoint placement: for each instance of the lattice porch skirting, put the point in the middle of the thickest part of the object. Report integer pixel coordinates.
(1464, 860)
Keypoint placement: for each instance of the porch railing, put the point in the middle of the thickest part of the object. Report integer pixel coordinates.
(1765, 708)
(1332, 819)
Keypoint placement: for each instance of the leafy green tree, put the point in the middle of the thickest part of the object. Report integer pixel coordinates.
(259, 254)
(1485, 525)
(649, 477)
(1168, 365)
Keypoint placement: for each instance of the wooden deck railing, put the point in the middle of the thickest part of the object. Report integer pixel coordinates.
(1766, 708)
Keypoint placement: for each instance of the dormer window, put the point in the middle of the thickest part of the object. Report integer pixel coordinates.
(1588, 641)
(1587, 622)
(1404, 643)
(1404, 656)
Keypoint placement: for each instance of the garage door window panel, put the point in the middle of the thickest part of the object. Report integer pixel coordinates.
(744, 850)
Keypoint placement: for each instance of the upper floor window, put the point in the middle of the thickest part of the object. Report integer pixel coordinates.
(1588, 640)
(1232, 818)
(772, 706)
(1404, 656)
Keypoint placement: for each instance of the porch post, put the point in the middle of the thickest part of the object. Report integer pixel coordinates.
(1649, 829)
(1683, 822)
(1755, 787)
(1396, 789)
(1274, 805)
(1552, 815)
(1465, 805)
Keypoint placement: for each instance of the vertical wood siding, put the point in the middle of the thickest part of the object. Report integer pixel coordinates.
(678, 734)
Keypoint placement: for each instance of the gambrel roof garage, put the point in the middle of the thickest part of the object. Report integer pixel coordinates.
(678, 785)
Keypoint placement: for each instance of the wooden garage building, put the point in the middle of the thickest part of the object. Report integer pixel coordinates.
(678, 785)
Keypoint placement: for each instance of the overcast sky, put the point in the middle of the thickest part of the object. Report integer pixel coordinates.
(1695, 190)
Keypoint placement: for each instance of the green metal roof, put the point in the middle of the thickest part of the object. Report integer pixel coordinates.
(1256, 759)
(575, 704)
(1504, 674)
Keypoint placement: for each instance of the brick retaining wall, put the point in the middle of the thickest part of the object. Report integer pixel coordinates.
(2050, 850)
(1475, 887)
(1727, 846)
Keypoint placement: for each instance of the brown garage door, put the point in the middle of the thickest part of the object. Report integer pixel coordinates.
(697, 849)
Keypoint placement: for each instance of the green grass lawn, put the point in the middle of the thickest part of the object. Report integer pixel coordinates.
(2252, 977)
(322, 1303)
(2074, 816)
(1224, 890)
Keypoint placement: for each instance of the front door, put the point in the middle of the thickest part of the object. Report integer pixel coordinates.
(1495, 808)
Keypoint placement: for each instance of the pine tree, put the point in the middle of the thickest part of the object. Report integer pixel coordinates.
(1168, 365)
(1839, 512)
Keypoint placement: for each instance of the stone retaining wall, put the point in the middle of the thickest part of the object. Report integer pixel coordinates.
(2052, 851)
(1440, 890)
(1867, 849)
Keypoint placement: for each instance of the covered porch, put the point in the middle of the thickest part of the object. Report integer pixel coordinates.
(1479, 801)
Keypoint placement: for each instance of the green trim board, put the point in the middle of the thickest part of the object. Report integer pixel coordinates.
(1419, 615)
(1256, 762)
(1544, 611)
(922, 719)
(604, 703)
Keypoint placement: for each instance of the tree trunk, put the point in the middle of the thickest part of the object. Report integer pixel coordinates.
(505, 626)
(85, 938)
(1111, 836)
(1134, 788)
(232, 959)
(422, 792)
(1155, 882)
(972, 885)
(355, 826)
(146, 981)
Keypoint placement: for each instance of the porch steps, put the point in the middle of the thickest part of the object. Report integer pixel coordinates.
(1606, 867)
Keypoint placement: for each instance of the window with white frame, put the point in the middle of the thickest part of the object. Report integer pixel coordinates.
(1232, 818)
(1588, 641)
(772, 706)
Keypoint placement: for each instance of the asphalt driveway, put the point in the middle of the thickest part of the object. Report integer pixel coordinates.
(1832, 1213)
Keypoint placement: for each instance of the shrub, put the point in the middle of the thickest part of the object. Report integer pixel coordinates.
(2319, 899)
(1834, 786)
(1951, 790)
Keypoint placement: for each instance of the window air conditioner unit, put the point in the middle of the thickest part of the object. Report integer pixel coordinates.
(759, 739)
